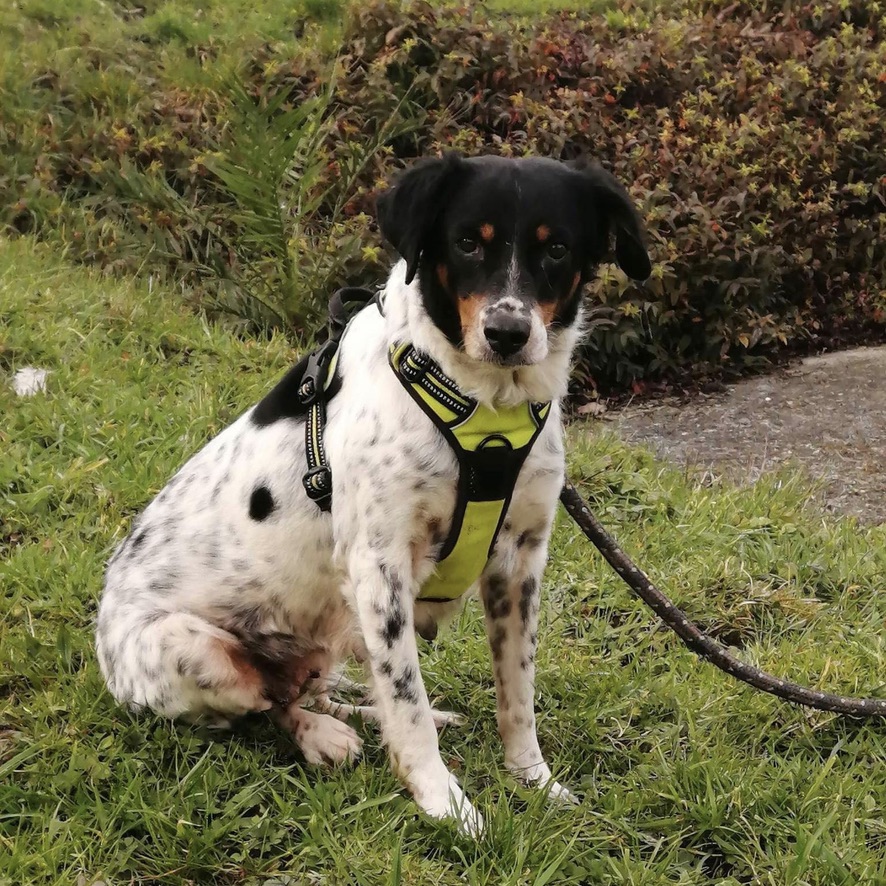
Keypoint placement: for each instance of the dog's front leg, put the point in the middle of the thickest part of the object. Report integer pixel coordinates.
(511, 602)
(384, 600)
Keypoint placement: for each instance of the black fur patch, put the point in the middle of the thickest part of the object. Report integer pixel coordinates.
(261, 503)
(528, 538)
(282, 401)
(528, 591)
(496, 641)
(394, 624)
(404, 686)
(495, 597)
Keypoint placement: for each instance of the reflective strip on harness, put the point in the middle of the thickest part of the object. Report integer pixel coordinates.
(490, 445)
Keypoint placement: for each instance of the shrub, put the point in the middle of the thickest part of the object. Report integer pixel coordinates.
(749, 133)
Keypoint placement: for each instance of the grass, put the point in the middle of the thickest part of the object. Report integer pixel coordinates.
(686, 777)
(176, 39)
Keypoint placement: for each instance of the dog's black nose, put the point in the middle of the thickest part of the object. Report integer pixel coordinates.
(507, 333)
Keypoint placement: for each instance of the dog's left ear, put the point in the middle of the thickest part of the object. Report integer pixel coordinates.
(613, 204)
(408, 209)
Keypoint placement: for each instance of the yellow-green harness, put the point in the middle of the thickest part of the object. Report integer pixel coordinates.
(490, 445)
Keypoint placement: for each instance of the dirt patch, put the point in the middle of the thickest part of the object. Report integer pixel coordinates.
(827, 414)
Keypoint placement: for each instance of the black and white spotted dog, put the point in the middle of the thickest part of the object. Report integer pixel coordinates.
(235, 593)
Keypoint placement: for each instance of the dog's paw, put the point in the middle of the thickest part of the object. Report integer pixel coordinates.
(324, 740)
(538, 775)
(449, 802)
(558, 793)
(447, 718)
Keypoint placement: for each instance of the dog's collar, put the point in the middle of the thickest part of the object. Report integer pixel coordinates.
(490, 445)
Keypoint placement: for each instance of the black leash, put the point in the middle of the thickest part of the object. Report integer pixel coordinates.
(692, 636)
(315, 380)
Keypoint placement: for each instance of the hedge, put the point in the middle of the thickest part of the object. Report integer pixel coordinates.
(750, 134)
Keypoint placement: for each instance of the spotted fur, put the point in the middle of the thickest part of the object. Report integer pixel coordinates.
(235, 593)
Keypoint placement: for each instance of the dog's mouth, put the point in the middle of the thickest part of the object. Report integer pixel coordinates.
(514, 361)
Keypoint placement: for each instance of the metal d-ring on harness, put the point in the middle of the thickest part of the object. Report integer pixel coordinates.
(441, 400)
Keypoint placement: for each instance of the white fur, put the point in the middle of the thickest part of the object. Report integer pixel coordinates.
(199, 583)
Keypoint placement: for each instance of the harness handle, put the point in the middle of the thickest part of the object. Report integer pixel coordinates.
(343, 305)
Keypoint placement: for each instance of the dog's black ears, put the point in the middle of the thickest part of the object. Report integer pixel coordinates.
(613, 203)
(408, 209)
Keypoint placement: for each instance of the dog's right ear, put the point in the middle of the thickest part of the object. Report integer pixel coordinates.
(408, 209)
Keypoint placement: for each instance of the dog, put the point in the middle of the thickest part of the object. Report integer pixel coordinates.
(234, 593)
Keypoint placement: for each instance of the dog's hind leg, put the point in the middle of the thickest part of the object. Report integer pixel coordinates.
(178, 665)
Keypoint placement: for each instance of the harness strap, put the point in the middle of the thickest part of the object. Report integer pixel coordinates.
(320, 382)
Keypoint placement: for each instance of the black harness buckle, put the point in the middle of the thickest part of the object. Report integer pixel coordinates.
(313, 381)
(318, 486)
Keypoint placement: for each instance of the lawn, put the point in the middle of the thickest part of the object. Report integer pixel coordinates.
(685, 776)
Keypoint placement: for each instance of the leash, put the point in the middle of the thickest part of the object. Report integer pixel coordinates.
(315, 379)
(699, 642)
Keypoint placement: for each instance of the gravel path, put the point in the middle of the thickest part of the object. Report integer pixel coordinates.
(827, 414)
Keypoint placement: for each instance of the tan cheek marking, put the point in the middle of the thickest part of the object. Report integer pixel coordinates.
(487, 232)
(548, 310)
(443, 276)
(468, 310)
(542, 232)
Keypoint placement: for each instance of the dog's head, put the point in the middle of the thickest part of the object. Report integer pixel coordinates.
(502, 248)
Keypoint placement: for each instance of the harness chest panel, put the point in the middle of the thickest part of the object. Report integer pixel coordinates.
(490, 446)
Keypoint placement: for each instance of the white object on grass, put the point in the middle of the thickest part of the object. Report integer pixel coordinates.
(29, 381)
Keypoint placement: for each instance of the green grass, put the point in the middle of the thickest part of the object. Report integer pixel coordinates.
(686, 777)
(174, 39)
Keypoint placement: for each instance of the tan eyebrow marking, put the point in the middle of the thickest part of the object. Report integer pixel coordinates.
(542, 232)
(487, 232)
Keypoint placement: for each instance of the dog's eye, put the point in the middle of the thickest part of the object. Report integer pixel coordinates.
(557, 251)
(467, 245)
